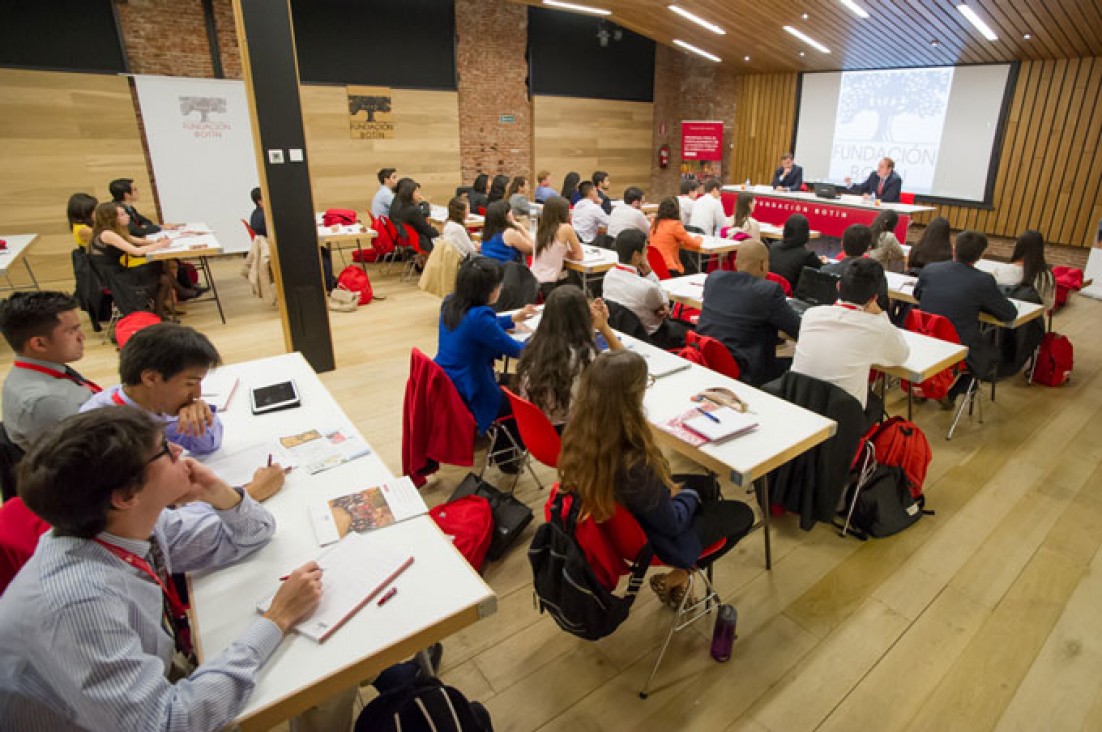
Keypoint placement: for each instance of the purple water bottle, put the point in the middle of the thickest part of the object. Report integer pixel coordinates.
(723, 635)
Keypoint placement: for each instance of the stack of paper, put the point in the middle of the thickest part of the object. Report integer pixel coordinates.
(366, 510)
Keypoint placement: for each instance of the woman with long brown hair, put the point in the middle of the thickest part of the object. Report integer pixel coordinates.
(743, 221)
(122, 258)
(562, 347)
(556, 241)
(609, 457)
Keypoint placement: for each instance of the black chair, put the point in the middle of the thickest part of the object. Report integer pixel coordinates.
(10, 455)
(625, 321)
(90, 289)
(812, 484)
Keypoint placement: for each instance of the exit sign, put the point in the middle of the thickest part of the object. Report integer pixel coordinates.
(507, 119)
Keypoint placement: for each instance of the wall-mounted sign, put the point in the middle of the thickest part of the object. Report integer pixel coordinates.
(701, 140)
(369, 113)
(507, 119)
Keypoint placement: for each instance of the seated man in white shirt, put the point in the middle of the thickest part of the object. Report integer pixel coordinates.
(588, 217)
(631, 283)
(690, 191)
(839, 343)
(708, 215)
(91, 627)
(630, 215)
(384, 197)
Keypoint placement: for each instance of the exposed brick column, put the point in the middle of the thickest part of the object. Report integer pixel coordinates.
(167, 37)
(491, 45)
(687, 88)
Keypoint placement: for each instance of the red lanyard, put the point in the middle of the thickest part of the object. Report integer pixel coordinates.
(118, 399)
(847, 306)
(176, 609)
(622, 268)
(79, 381)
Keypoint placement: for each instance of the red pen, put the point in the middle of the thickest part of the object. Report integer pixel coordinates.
(386, 597)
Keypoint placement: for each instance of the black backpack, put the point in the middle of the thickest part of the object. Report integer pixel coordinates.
(423, 707)
(565, 585)
(878, 501)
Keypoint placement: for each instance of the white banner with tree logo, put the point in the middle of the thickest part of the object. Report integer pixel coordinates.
(201, 146)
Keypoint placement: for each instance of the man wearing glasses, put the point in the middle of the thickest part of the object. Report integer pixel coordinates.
(90, 629)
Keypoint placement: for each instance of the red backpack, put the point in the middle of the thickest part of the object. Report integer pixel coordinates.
(901, 444)
(354, 279)
(469, 522)
(1067, 279)
(1055, 356)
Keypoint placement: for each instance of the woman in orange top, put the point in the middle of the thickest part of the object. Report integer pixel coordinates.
(668, 235)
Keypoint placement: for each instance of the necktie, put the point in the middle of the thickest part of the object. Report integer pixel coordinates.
(880, 188)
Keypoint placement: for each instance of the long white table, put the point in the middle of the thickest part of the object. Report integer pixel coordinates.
(438, 595)
(193, 241)
(598, 260)
(928, 355)
(439, 216)
(17, 248)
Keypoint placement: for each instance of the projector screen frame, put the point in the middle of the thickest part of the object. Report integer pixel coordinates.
(987, 204)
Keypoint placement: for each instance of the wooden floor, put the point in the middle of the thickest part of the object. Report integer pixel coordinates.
(984, 616)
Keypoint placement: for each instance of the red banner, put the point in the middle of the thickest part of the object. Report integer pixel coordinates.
(827, 217)
(701, 140)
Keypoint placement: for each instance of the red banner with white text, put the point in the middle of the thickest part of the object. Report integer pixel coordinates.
(701, 140)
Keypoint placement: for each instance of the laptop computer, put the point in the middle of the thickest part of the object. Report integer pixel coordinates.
(815, 288)
(826, 190)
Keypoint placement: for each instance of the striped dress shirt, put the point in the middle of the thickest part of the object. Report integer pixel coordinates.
(83, 645)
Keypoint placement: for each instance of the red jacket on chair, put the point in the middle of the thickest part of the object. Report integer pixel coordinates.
(20, 529)
(437, 427)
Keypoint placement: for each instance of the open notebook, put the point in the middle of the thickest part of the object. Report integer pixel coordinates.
(353, 575)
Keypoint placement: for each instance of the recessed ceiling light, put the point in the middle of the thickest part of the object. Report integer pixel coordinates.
(805, 16)
(577, 8)
(745, 58)
(807, 39)
(698, 20)
(802, 53)
(699, 52)
(857, 9)
(1027, 36)
(978, 22)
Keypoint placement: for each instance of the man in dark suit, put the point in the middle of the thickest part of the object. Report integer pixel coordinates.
(125, 193)
(788, 177)
(745, 312)
(884, 183)
(960, 292)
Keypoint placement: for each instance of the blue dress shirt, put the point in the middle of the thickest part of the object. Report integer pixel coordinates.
(204, 444)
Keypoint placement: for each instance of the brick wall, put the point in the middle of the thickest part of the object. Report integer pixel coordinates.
(492, 39)
(165, 37)
(687, 88)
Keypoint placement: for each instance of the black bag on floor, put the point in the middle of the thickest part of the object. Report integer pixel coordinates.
(510, 515)
(421, 707)
(881, 505)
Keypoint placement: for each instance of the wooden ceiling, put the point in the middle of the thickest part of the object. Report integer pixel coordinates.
(896, 33)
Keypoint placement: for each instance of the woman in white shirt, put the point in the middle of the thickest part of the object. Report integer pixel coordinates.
(743, 222)
(455, 229)
(555, 242)
(1028, 266)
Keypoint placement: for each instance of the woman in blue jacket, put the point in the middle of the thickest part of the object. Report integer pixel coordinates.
(472, 336)
(609, 457)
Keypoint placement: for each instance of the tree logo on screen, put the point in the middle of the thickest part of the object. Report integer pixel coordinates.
(369, 113)
(204, 127)
(922, 93)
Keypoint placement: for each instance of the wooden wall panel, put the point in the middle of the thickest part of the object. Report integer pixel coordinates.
(425, 146)
(1049, 175)
(765, 112)
(585, 135)
(62, 133)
